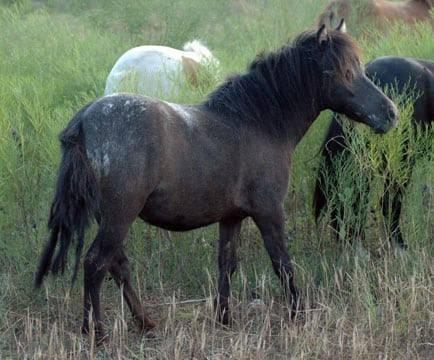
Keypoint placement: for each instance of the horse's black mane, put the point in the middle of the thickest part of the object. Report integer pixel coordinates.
(282, 84)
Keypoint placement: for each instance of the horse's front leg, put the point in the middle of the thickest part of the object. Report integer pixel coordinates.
(271, 227)
(227, 260)
(391, 207)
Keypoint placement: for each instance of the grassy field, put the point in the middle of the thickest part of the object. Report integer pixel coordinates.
(377, 303)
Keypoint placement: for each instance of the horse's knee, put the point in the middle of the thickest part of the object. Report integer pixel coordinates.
(227, 262)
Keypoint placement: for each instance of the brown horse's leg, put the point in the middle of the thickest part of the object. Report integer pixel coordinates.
(96, 263)
(227, 260)
(93, 276)
(272, 232)
(121, 274)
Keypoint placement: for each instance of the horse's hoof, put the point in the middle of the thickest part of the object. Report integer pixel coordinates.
(225, 320)
(148, 331)
(145, 324)
(222, 313)
(298, 314)
(224, 317)
(101, 338)
(149, 334)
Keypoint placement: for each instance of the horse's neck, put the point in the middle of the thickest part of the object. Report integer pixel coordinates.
(298, 121)
(301, 128)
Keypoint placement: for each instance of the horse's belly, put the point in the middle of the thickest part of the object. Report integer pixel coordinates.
(176, 221)
(181, 212)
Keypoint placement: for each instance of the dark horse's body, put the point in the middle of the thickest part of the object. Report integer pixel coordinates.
(182, 167)
(403, 75)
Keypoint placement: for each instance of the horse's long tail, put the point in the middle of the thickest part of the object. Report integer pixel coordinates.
(334, 144)
(76, 197)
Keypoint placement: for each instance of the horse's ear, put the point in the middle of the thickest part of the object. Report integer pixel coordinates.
(322, 36)
(342, 26)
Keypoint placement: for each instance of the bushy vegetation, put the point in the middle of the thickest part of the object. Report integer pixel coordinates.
(55, 56)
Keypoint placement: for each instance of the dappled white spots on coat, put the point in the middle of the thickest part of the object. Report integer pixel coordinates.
(186, 115)
(100, 159)
(107, 108)
(106, 164)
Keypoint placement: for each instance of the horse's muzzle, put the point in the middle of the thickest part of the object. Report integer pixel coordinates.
(382, 125)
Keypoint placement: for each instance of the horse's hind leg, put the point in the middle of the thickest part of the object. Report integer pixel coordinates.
(227, 259)
(96, 263)
(121, 273)
(272, 231)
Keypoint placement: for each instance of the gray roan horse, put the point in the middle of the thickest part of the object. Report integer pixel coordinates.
(181, 167)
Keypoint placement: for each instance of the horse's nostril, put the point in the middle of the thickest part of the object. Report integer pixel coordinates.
(394, 113)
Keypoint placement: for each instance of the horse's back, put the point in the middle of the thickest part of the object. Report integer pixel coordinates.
(390, 68)
(152, 70)
(121, 127)
(151, 55)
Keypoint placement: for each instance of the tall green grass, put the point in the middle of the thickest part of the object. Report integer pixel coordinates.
(54, 57)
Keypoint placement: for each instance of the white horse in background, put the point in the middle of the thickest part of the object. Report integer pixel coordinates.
(160, 71)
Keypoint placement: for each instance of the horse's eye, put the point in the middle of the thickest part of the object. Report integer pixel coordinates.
(348, 75)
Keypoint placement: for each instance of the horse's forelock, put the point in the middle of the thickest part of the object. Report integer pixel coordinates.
(340, 52)
(345, 50)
